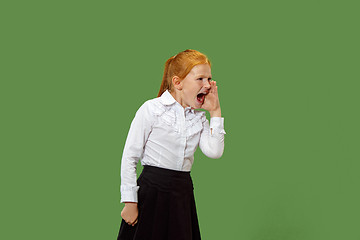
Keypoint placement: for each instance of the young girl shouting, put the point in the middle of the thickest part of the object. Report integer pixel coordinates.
(164, 135)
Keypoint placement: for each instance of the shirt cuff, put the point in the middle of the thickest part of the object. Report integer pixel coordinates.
(129, 194)
(217, 123)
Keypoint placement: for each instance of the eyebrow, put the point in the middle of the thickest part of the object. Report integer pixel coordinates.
(203, 76)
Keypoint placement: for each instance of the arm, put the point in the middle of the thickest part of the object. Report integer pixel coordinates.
(134, 147)
(212, 137)
(133, 150)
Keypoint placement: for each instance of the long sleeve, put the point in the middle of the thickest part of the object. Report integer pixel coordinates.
(212, 137)
(133, 150)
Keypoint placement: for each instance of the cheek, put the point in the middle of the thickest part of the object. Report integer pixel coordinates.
(196, 86)
(190, 93)
(192, 89)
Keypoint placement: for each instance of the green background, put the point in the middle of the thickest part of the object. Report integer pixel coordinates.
(73, 74)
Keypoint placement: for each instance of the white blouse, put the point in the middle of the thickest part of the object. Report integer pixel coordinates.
(164, 134)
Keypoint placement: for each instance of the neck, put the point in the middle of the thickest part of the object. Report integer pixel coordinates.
(177, 96)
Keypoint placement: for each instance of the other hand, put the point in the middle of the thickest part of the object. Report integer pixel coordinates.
(130, 213)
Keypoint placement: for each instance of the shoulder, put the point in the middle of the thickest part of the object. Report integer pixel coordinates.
(152, 107)
(157, 110)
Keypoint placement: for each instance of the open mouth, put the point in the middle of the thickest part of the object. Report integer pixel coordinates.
(201, 98)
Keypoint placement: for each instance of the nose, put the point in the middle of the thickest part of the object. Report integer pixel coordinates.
(207, 84)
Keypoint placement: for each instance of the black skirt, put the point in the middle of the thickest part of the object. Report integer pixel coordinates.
(166, 206)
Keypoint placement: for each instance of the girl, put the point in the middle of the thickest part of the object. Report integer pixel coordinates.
(164, 134)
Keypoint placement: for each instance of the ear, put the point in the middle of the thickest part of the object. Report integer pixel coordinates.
(177, 83)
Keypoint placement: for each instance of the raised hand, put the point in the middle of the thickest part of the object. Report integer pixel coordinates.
(211, 102)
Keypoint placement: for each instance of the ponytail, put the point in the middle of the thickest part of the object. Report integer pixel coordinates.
(166, 81)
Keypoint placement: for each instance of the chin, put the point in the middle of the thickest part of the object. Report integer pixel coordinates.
(197, 106)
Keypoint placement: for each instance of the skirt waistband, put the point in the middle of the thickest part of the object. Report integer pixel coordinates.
(166, 179)
(165, 171)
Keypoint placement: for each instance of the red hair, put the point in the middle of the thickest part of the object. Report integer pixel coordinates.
(180, 65)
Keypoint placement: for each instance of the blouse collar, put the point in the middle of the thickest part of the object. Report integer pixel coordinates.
(167, 99)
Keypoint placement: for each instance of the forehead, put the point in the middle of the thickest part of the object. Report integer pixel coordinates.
(201, 69)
